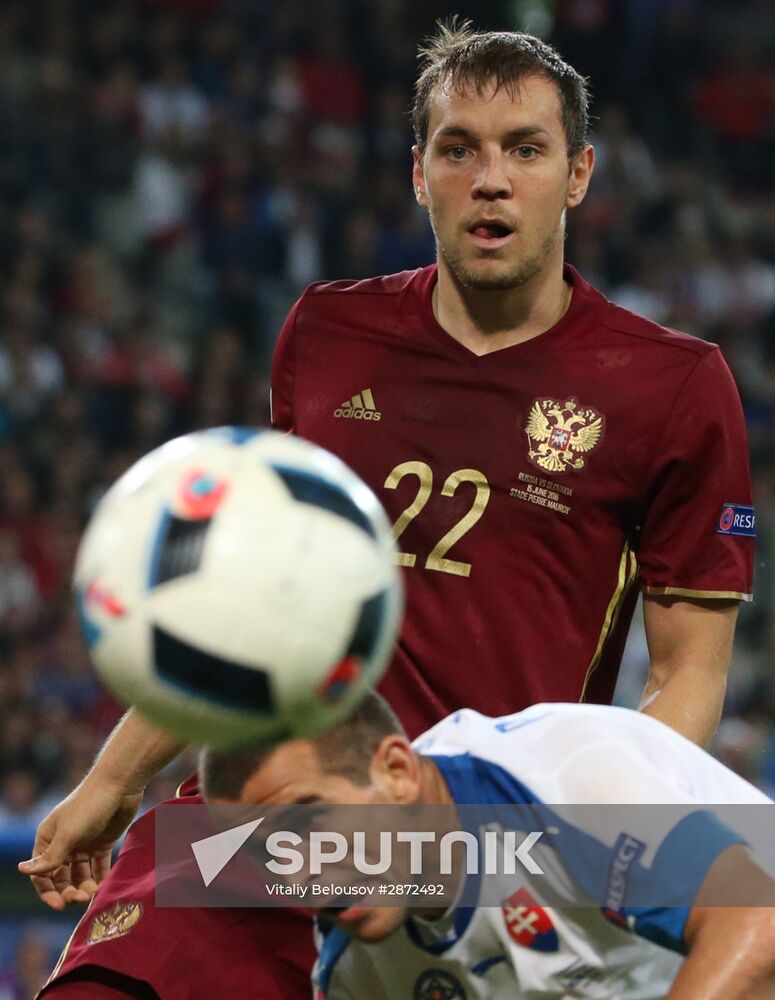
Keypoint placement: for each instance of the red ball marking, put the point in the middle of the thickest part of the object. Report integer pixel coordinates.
(341, 677)
(201, 495)
(105, 600)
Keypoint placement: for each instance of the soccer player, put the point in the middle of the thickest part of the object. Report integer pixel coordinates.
(542, 453)
(557, 754)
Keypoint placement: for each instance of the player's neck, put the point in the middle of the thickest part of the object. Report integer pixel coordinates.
(487, 321)
(435, 791)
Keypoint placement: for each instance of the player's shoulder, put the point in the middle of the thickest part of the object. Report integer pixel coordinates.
(649, 343)
(467, 730)
(547, 753)
(630, 324)
(389, 305)
(378, 287)
(141, 834)
(558, 724)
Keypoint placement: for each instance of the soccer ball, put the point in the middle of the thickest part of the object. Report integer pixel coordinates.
(238, 585)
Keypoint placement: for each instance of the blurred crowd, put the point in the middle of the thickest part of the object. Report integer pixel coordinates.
(173, 174)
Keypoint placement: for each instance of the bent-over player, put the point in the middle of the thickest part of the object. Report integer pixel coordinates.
(558, 754)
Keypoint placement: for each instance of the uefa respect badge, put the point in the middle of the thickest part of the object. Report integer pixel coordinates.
(737, 519)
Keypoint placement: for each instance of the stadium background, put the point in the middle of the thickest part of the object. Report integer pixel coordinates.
(172, 174)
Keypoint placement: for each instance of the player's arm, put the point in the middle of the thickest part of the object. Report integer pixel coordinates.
(696, 548)
(73, 844)
(702, 892)
(690, 646)
(732, 955)
(731, 948)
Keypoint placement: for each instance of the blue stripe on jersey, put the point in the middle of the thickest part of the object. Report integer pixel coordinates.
(473, 781)
(684, 858)
(664, 925)
(691, 847)
(335, 942)
(512, 722)
(486, 964)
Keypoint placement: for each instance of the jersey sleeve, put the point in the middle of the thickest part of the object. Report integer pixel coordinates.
(697, 534)
(645, 859)
(683, 860)
(284, 374)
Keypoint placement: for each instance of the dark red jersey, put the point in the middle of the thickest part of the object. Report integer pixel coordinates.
(125, 943)
(531, 490)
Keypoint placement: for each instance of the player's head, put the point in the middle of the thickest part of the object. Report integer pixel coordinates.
(354, 761)
(365, 759)
(500, 124)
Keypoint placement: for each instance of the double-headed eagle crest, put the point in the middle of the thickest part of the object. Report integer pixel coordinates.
(560, 434)
(117, 920)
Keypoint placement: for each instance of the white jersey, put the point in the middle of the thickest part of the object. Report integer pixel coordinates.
(526, 948)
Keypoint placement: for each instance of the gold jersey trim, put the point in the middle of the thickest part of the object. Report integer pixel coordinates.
(628, 570)
(712, 595)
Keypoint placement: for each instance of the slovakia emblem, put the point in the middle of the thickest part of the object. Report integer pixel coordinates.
(438, 984)
(201, 494)
(528, 923)
(560, 435)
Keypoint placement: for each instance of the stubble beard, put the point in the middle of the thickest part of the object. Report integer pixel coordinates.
(499, 279)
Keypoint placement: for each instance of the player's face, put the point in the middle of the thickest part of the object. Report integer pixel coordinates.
(295, 775)
(496, 179)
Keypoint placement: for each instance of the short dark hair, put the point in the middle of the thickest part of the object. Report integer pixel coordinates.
(470, 59)
(346, 749)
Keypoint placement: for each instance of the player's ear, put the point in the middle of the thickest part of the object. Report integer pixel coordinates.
(395, 770)
(418, 176)
(581, 168)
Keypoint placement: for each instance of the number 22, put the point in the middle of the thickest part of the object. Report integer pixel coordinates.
(436, 559)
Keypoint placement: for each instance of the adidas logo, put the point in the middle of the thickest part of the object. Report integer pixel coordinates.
(360, 407)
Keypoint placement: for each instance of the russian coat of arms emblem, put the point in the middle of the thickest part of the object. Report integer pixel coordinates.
(562, 434)
(115, 921)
